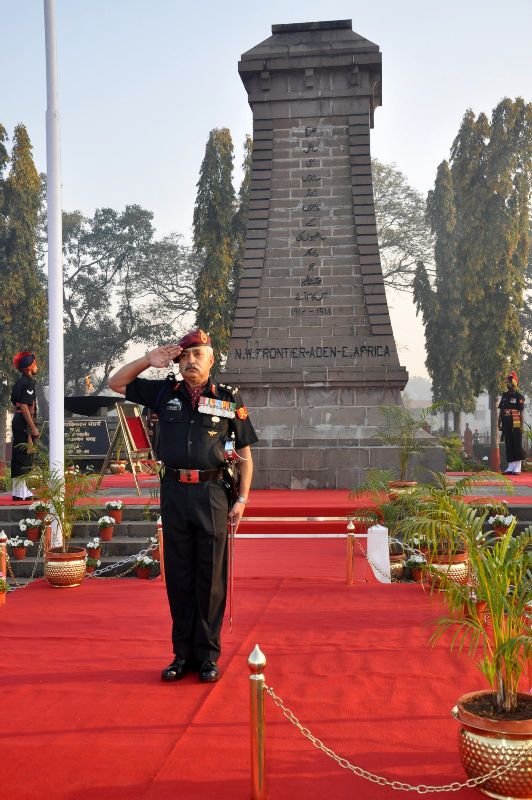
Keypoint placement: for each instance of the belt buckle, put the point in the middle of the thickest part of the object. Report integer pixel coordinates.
(189, 475)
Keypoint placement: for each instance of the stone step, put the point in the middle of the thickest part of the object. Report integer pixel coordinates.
(9, 514)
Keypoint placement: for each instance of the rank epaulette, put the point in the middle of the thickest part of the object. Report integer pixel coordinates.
(232, 389)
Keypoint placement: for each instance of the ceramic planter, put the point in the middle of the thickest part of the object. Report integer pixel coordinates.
(485, 743)
(19, 553)
(64, 570)
(455, 567)
(397, 566)
(106, 534)
(116, 514)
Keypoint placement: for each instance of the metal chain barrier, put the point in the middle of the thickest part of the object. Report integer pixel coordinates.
(132, 560)
(100, 573)
(375, 568)
(421, 788)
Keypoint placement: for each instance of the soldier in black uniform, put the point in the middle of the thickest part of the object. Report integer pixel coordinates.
(23, 424)
(511, 421)
(197, 417)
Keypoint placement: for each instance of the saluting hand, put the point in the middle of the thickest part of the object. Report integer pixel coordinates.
(163, 356)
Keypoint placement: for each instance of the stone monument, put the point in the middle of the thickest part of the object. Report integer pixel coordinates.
(312, 345)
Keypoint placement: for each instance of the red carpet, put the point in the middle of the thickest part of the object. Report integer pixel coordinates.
(85, 714)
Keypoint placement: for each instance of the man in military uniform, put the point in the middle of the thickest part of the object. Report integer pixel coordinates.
(197, 418)
(23, 425)
(511, 422)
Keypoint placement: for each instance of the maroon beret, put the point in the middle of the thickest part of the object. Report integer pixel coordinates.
(195, 338)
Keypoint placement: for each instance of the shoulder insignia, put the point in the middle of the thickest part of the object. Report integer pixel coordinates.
(242, 412)
(232, 389)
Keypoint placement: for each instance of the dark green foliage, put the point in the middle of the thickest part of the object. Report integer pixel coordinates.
(442, 304)
(240, 220)
(479, 211)
(108, 262)
(213, 240)
(22, 295)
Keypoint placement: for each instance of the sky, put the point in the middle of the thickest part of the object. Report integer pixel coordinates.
(142, 83)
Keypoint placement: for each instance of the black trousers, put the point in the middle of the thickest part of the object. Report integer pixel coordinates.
(513, 439)
(194, 518)
(21, 460)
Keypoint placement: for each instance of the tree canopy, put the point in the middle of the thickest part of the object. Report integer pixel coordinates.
(214, 241)
(403, 231)
(479, 211)
(22, 294)
(121, 287)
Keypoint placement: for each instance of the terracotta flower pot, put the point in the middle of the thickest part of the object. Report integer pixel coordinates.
(19, 553)
(486, 742)
(106, 534)
(500, 531)
(417, 574)
(143, 572)
(89, 569)
(33, 534)
(116, 514)
(93, 552)
(41, 515)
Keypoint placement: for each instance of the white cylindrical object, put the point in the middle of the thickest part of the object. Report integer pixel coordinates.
(379, 553)
(55, 250)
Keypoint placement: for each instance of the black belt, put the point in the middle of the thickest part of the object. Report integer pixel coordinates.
(195, 475)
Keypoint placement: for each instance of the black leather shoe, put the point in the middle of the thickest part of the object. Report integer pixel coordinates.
(209, 672)
(176, 670)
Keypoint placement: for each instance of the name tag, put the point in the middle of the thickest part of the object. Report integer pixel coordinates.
(216, 408)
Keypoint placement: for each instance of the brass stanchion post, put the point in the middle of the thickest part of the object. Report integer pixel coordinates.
(350, 552)
(257, 664)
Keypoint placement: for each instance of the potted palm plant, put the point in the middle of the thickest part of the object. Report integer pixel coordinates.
(66, 498)
(406, 433)
(495, 737)
(387, 508)
(441, 518)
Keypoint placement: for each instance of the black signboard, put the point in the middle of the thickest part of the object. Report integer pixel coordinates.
(84, 438)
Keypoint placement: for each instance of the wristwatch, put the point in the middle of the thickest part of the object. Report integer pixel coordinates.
(241, 499)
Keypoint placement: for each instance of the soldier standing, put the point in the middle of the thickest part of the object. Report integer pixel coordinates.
(197, 418)
(23, 425)
(511, 424)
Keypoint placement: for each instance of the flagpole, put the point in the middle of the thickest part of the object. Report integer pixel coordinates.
(55, 252)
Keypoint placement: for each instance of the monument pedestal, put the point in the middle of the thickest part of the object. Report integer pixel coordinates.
(312, 345)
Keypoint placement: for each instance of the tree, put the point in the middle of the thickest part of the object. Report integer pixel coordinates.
(442, 306)
(526, 324)
(495, 192)
(102, 257)
(240, 220)
(22, 296)
(483, 230)
(213, 240)
(403, 231)
(166, 279)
